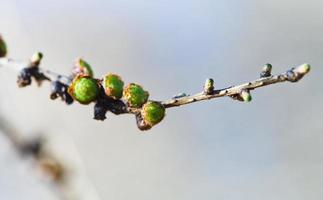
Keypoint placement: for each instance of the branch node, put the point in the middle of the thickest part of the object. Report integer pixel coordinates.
(59, 89)
(33, 147)
(32, 71)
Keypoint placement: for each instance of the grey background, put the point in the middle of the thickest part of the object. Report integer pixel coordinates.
(268, 149)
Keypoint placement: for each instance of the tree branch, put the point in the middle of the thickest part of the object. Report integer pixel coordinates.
(147, 114)
(292, 75)
(50, 167)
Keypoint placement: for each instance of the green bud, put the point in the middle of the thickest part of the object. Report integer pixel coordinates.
(266, 70)
(3, 48)
(153, 112)
(208, 86)
(303, 69)
(135, 95)
(84, 89)
(36, 57)
(81, 67)
(246, 96)
(113, 86)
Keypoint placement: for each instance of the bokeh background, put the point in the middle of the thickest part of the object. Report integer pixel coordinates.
(268, 149)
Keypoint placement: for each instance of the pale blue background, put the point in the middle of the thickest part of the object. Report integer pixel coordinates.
(270, 149)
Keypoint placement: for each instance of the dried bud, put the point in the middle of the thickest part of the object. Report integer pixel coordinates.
(153, 113)
(266, 70)
(36, 58)
(141, 124)
(135, 95)
(33, 147)
(52, 168)
(113, 86)
(208, 86)
(84, 89)
(59, 89)
(245, 95)
(24, 77)
(100, 110)
(3, 48)
(81, 67)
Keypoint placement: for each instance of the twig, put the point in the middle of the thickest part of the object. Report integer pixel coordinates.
(104, 103)
(50, 167)
(292, 75)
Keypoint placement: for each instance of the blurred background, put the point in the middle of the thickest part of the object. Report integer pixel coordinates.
(268, 149)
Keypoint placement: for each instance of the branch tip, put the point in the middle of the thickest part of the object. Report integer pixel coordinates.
(303, 69)
(297, 73)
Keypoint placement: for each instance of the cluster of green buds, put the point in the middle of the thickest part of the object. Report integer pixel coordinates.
(3, 48)
(86, 89)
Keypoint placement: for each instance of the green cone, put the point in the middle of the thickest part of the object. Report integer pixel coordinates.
(81, 67)
(153, 112)
(84, 89)
(135, 95)
(113, 86)
(3, 48)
